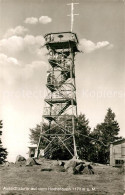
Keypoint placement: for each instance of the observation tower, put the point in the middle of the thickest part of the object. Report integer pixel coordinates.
(60, 110)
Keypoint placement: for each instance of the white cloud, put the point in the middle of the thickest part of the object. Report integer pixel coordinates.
(12, 70)
(110, 46)
(45, 19)
(13, 60)
(34, 68)
(31, 20)
(11, 44)
(32, 40)
(88, 46)
(4, 59)
(102, 44)
(18, 30)
(9, 68)
(27, 47)
(37, 64)
(41, 19)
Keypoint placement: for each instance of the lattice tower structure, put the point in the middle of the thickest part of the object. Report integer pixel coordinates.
(60, 109)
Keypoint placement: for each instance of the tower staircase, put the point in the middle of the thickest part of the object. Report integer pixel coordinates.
(60, 102)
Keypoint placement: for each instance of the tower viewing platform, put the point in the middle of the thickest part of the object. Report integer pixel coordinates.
(61, 40)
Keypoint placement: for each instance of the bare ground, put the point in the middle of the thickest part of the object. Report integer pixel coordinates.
(23, 180)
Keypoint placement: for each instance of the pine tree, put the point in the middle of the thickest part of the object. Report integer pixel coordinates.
(82, 136)
(105, 133)
(3, 151)
(111, 127)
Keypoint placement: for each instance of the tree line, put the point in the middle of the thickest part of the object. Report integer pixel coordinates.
(92, 145)
(3, 151)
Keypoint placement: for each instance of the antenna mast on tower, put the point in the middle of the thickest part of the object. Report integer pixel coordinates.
(72, 14)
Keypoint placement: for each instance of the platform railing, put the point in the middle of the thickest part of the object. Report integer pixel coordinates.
(59, 37)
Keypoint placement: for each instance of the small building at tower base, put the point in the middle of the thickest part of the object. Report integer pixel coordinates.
(117, 153)
(32, 151)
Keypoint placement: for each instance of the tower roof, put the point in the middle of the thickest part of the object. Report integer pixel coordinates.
(62, 40)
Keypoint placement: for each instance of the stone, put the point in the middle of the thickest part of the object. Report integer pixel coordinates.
(20, 158)
(55, 163)
(78, 169)
(61, 163)
(30, 162)
(70, 164)
(77, 166)
(70, 170)
(7, 164)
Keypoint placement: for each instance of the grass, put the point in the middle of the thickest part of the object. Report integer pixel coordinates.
(39, 180)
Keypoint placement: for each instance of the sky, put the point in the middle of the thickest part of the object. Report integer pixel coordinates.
(100, 67)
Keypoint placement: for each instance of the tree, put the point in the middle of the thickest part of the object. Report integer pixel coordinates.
(3, 151)
(58, 150)
(35, 134)
(82, 136)
(105, 133)
(92, 146)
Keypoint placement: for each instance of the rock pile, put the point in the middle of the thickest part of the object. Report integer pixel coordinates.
(76, 166)
(73, 166)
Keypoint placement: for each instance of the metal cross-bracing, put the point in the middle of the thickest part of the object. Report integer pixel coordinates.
(60, 109)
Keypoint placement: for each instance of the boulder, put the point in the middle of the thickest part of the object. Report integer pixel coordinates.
(77, 166)
(20, 158)
(30, 162)
(55, 163)
(70, 170)
(90, 168)
(70, 164)
(73, 163)
(61, 163)
(78, 169)
(5, 164)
